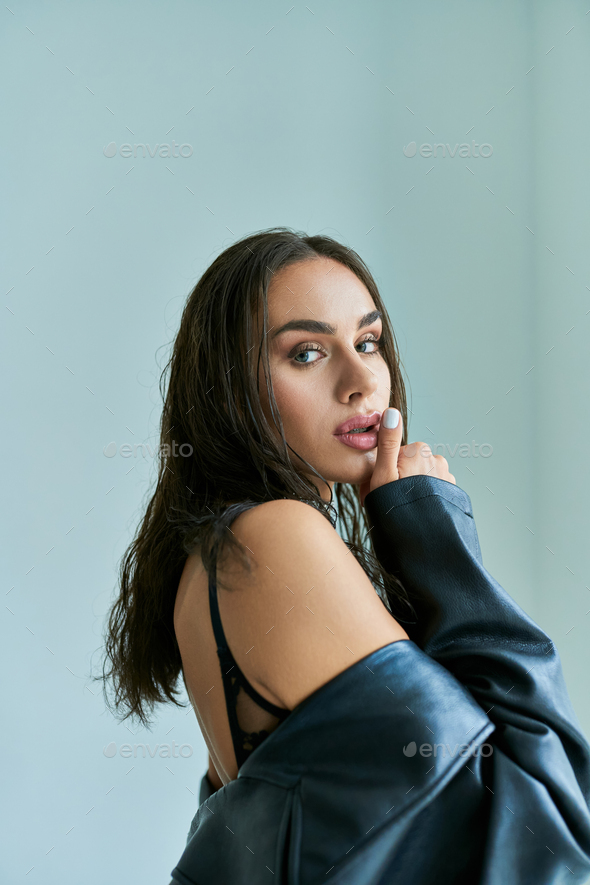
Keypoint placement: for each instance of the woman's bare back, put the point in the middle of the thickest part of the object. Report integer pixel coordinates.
(202, 672)
(305, 613)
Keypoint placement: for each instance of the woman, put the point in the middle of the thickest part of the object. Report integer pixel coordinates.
(317, 663)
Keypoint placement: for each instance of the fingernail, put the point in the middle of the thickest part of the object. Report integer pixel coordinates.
(390, 419)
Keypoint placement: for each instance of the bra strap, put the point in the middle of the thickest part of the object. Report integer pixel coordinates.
(215, 616)
(226, 657)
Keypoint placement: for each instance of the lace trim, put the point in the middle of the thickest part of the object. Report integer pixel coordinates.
(250, 740)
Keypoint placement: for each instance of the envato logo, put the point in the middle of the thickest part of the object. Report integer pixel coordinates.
(465, 150)
(426, 749)
(128, 450)
(166, 751)
(165, 150)
(465, 450)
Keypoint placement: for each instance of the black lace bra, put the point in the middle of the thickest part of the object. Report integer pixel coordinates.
(241, 697)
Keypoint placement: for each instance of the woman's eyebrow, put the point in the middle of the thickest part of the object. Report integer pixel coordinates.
(320, 328)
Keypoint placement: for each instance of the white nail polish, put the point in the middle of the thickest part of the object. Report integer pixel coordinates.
(390, 419)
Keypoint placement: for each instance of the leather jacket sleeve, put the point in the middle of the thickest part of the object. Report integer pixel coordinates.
(538, 777)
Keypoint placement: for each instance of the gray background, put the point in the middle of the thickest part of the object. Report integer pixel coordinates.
(297, 115)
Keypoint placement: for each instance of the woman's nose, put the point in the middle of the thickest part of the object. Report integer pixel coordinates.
(356, 376)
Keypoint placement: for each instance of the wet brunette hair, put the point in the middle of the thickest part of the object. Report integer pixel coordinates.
(218, 456)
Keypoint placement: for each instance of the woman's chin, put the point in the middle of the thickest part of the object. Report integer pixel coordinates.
(357, 472)
(354, 467)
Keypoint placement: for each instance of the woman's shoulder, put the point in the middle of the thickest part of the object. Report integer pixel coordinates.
(284, 529)
(307, 610)
(282, 510)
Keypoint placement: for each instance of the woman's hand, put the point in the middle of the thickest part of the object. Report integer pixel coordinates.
(395, 461)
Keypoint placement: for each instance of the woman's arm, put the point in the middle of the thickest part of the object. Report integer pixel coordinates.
(210, 782)
(214, 778)
(306, 611)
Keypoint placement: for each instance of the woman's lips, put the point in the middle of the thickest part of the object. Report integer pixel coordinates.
(365, 441)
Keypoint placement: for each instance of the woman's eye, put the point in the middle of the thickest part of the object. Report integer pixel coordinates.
(303, 353)
(370, 341)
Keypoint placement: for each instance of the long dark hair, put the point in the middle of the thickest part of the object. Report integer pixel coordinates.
(219, 456)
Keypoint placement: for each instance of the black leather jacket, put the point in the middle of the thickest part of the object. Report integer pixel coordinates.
(454, 757)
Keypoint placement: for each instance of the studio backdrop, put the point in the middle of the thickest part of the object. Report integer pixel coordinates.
(448, 145)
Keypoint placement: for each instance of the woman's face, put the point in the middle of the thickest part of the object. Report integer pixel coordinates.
(326, 368)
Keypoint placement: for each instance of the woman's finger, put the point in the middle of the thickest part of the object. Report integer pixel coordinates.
(388, 444)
